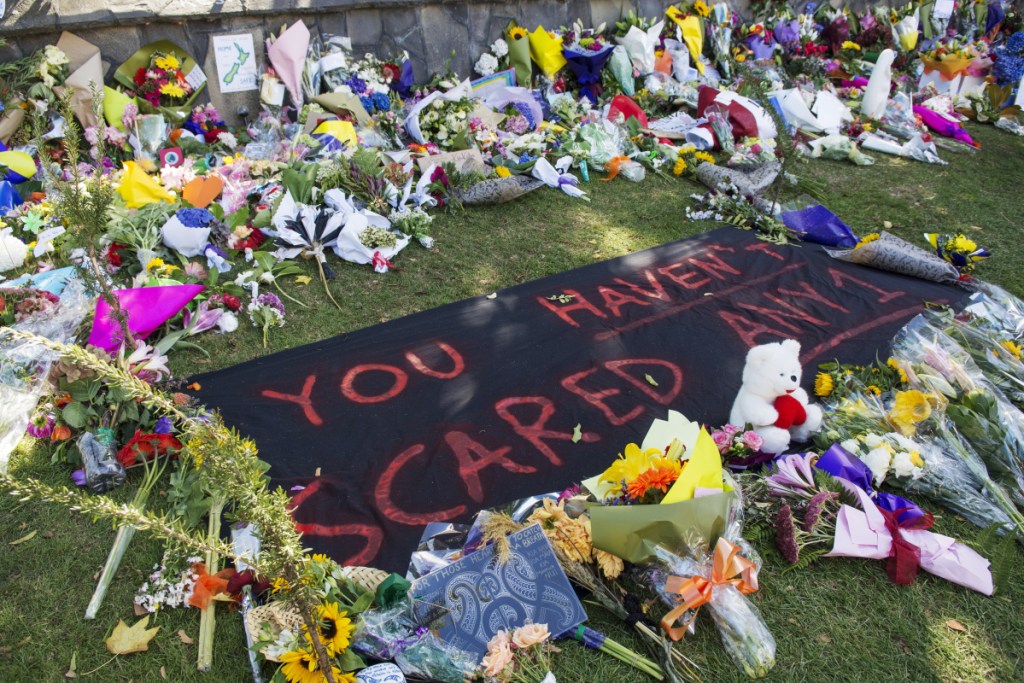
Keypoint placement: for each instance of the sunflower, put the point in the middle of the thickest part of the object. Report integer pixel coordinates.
(705, 157)
(502, 171)
(909, 408)
(302, 666)
(680, 166)
(517, 32)
(1012, 347)
(895, 365)
(154, 264)
(823, 384)
(874, 389)
(335, 628)
(701, 8)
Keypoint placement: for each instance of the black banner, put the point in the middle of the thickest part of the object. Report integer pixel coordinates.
(442, 413)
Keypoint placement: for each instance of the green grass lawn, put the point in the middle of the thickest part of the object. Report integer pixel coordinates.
(839, 620)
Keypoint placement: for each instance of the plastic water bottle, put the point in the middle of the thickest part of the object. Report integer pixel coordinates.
(103, 471)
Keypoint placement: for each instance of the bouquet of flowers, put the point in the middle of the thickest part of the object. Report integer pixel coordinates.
(741, 448)
(950, 57)
(958, 249)
(163, 79)
(265, 312)
(18, 304)
(906, 23)
(586, 51)
(522, 656)
(441, 118)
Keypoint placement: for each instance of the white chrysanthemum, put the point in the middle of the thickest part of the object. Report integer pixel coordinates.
(872, 440)
(499, 48)
(903, 466)
(878, 461)
(851, 446)
(12, 251)
(227, 323)
(487, 64)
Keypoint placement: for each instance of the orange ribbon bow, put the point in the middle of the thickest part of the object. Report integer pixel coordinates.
(208, 585)
(728, 568)
(614, 164)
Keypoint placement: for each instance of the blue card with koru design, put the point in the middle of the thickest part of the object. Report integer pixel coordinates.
(470, 600)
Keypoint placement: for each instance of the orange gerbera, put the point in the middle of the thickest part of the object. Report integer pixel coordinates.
(655, 478)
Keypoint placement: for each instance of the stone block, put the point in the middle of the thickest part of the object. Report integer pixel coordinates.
(608, 11)
(441, 36)
(365, 26)
(334, 24)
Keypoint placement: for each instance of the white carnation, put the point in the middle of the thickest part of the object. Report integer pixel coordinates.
(851, 446)
(227, 323)
(487, 64)
(499, 48)
(878, 461)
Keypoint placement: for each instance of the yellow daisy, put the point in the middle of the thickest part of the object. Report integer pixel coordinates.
(172, 90)
(167, 62)
(630, 464)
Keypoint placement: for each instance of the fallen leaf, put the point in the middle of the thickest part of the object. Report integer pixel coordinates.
(303, 279)
(6, 649)
(955, 625)
(24, 641)
(903, 645)
(126, 640)
(887, 225)
(577, 433)
(793, 621)
(184, 637)
(195, 386)
(71, 673)
(317, 472)
(650, 380)
(47, 534)
(27, 537)
(824, 637)
(140, 611)
(492, 295)
(163, 672)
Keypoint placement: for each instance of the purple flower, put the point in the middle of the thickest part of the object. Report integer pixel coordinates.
(793, 476)
(78, 476)
(40, 426)
(270, 299)
(816, 507)
(785, 535)
(163, 426)
(205, 318)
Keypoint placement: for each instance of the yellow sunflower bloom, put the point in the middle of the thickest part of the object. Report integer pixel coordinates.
(705, 157)
(895, 365)
(302, 666)
(502, 171)
(335, 628)
(701, 8)
(517, 32)
(874, 389)
(1012, 347)
(154, 264)
(909, 408)
(823, 384)
(680, 166)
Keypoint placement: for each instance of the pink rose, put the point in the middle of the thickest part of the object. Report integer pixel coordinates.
(531, 634)
(732, 430)
(752, 440)
(722, 440)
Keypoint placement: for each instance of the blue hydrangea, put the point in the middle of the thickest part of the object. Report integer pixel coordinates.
(524, 109)
(381, 102)
(194, 218)
(367, 103)
(357, 84)
(1009, 63)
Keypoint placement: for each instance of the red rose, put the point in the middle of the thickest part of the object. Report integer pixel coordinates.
(390, 72)
(140, 76)
(232, 302)
(211, 135)
(114, 254)
(253, 241)
(148, 446)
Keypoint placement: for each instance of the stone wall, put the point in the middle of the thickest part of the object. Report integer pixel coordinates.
(431, 32)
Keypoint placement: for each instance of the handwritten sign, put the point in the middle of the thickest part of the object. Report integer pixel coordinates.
(236, 62)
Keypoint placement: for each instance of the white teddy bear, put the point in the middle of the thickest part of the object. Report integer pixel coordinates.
(771, 399)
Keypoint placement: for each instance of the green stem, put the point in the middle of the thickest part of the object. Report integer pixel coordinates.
(208, 618)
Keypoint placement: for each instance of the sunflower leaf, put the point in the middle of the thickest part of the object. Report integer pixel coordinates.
(350, 661)
(128, 639)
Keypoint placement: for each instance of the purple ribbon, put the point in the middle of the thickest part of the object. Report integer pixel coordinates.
(566, 179)
(838, 462)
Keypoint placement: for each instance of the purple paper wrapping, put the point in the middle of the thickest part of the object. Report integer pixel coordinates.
(943, 126)
(788, 32)
(9, 197)
(995, 16)
(838, 462)
(762, 48)
(403, 84)
(819, 225)
(587, 66)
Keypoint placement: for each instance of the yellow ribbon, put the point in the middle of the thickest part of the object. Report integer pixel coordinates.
(727, 568)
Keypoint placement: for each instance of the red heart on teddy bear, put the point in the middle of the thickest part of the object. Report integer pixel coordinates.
(791, 412)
